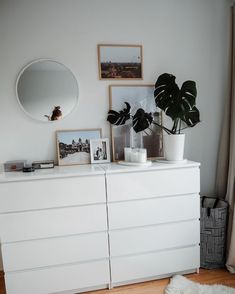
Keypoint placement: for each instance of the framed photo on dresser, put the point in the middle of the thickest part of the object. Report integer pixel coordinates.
(73, 146)
(100, 152)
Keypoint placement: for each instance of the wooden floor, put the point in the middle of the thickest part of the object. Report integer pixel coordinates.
(2, 285)
(220, 276)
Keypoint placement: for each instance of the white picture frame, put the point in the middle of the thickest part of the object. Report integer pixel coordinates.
(100, 150)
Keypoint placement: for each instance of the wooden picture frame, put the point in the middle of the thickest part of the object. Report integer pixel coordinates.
(73, 146)
(99, 150)
(120, 61)
(138, 96)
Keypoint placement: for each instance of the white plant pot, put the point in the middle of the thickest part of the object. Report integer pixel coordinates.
(174, 146)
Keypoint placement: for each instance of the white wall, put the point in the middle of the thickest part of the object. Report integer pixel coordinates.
(188, 38)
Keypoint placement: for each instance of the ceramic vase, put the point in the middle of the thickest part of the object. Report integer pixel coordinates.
(174, 146)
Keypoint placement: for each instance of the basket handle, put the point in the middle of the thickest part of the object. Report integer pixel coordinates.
(208, 209)
(216, 202)
(203, 199)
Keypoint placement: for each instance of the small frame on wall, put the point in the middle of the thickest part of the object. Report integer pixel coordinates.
(138, 96)
(100, 152)
(73, 146)
(120, 61)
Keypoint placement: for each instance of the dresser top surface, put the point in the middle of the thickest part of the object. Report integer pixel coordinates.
(56, 172)
(88, 170)
(156, 165)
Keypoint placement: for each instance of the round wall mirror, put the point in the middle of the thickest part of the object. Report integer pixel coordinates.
(47, 90)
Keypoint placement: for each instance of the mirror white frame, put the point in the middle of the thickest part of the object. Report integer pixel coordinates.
(47, 116)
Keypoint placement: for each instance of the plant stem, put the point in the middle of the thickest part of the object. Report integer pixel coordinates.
(163, 128)
(180, 126)
(174, 128)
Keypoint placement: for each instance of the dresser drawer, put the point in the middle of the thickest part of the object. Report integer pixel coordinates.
(154, 238)
(54, 251)
(52, 222)
(39, 194)
(58, 279)
(154, 264)
(153, 211)
(147, 184)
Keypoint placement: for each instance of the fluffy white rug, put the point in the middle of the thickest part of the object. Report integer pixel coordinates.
(181, 285)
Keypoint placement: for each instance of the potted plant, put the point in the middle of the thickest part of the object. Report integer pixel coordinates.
(177, 103)
(180, 105)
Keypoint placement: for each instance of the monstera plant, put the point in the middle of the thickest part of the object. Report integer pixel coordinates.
(178, 104)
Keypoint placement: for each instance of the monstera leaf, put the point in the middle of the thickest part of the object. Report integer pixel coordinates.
(179, 104)
(192, 117)
(119, 118)
(190, 114)
(165, 91)
(141, 120)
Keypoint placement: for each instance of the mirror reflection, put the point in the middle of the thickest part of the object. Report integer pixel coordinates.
(47, 90)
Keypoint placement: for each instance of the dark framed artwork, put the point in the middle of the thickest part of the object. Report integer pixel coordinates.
(120, 61)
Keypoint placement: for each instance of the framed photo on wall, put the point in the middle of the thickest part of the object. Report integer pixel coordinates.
(120, 61)
(100, 152)
(138, 96)
(73, 146)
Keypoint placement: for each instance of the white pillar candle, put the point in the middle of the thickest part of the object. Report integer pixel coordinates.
(127, 153)
(138, 155)
(134, 155)
(142, 155)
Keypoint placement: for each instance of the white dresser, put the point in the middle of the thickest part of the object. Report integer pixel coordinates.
(153, 215)
(73, 229)
(53, 228)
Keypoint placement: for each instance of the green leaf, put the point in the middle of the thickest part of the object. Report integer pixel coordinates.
(165, 91)
(188, 94)
(192, 117)
(178, 104)
(141, 120)
(119, 118)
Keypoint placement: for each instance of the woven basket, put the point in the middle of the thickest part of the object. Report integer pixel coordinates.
(213, 232)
